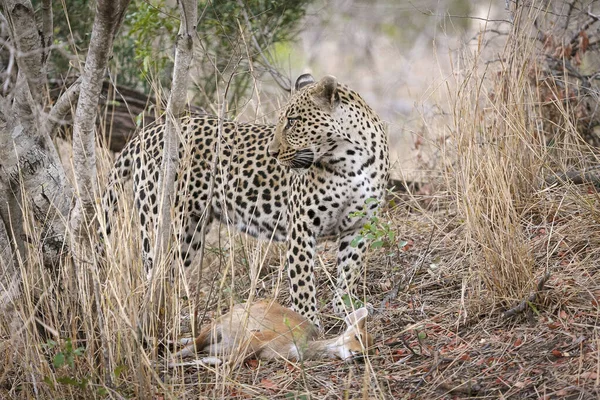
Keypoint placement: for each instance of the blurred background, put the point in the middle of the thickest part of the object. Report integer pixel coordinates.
(398, 54)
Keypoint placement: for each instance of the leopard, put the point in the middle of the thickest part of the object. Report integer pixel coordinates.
(319, 172)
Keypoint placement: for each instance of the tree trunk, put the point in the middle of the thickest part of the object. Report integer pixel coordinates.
(31, 167)
(109, 15)
(157, 294)
(175, 107)
(10, 275)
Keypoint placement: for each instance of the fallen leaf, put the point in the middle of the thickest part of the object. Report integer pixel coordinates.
(588, 375)
(268, 384)
(557, 353)
(553, 325)
(562, 314)
(518, 342)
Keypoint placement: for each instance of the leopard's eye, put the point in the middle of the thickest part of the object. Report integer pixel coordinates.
(291, 122)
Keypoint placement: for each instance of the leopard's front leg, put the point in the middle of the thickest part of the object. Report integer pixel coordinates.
(349, 271)
(301, 250)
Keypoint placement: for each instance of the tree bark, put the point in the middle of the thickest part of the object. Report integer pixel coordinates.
(109, 15)
(108, 19)
(176, 105)
(31, 169)
(31, 53)
(10, 277)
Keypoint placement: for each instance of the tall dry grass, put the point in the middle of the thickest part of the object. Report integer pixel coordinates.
(493, 167)
(496, 161)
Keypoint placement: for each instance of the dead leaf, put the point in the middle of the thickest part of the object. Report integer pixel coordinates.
(588, 375)
(562, 314)
(553, 325)
(268, 384)
(557, 353)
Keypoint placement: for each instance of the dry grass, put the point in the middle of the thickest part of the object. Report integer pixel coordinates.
(477, 246)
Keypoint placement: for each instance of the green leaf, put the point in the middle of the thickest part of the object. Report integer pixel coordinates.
(67, 380)
(79, 351)
(534, 308)
(294, 396)
(356, 241)
(377, 245)
(59, 360)
(402, 243)
(119, 370)
(351, 303)
(49, 382)
(422, 335)
(371, 200)
(138, 119)
(146, 64)
(347, 301)
(102, 391)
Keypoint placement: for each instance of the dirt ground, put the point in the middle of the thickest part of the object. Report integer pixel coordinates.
(437, 334)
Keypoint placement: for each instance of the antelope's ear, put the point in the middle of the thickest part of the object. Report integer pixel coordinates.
(357, 318)
(304, 80)
(325, 93)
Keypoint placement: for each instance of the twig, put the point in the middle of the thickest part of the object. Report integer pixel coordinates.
(569, 14)
(593, 20)
(61, 108)
(280, 79)
(47, 27)
(407, 345)
(211, 189)
(577, 177)
(519, 308)
(468, 388)
(394, 292)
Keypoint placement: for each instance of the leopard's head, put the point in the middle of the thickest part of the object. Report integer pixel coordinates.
(307, 129)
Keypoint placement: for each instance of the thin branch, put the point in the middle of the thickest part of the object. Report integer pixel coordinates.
(184, 53)
(211, 188)
(108, 18)
(61, 108)
(577, 177)
(47, 24)
(519, 308)
(280, 79)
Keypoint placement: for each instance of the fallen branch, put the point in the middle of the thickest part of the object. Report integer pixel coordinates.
(577, 177)
(519, 308)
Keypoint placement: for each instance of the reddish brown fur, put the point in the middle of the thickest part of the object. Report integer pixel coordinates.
(268, 330)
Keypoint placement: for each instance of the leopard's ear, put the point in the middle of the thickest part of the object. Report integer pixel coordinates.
(325, 94)
(303, 80)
